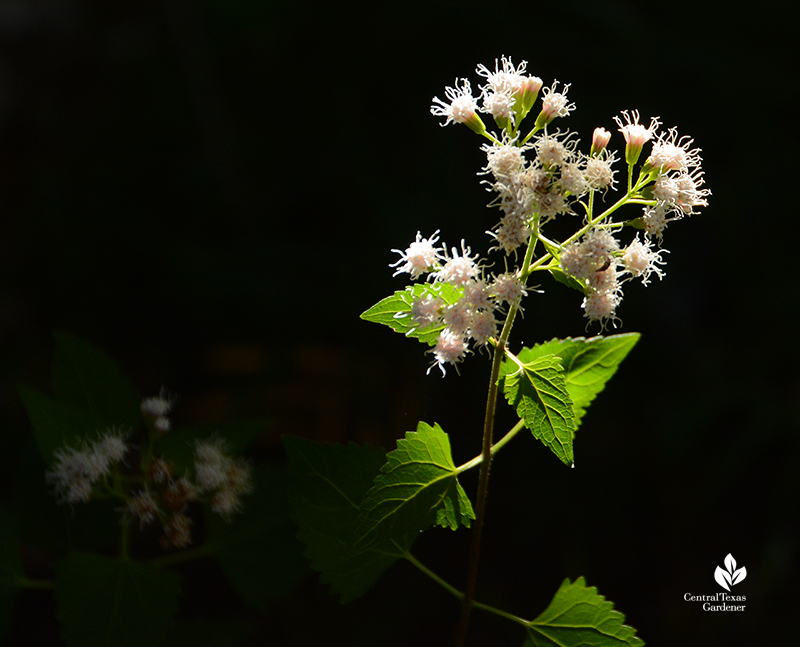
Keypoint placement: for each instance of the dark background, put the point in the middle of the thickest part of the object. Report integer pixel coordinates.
(210, 191)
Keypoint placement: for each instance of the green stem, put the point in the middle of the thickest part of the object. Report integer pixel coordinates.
(496, 447)
(486, 451)
(459, 595)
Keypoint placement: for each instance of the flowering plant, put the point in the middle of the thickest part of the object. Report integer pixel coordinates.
(175, 494)
(359, 511)
(120, 496)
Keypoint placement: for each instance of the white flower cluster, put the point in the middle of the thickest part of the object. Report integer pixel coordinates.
(546, 186)
(223, 477)
(218, 479)
(472, 316)
(156, 409)
(153, 493)
(543, 174)
(77, 472)
(597, 262)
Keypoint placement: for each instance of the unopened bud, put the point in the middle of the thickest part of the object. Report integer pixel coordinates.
(599, 141)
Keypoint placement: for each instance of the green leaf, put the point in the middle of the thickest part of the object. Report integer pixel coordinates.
(417, 488)
(257, 549)
(11, 572)
(395, 311)
(86, 377)
(103, 601)
(55, 422)
(538, 392)
(91, 395)
(577, 617)
(588, 364)
(327, 484)
(570, 281)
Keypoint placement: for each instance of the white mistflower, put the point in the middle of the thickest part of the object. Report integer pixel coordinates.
(604, 280)
(450, 349)
(507, 287)
(666, 189)
(506, 80)
(600, 306)
(460, 107)
(640, 260)
(672, 154)
(555, 104)
(476, 294)
(484, 326)
(598, 174)
(111, 447)
(157, 407)
(426, 310)
(211, 466)
(500, 106)
(459, 269)
(690, 195)
(458, 317)
(655, 220)
(551, 152)
(504, 160)
(572, 179)
(421, 256)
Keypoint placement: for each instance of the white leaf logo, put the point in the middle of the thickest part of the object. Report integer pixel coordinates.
(730, 576)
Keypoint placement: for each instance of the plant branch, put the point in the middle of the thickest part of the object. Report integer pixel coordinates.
(458, 594)
(495, 448)
(486, 451)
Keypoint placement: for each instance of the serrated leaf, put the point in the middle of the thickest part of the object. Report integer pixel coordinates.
(395, 311)
(577, 617)
(90, 380)
(538, 392)
(327, 484)
(10, 568)
(257, 549)
(416, 489)
(588, 364)
(104, 601)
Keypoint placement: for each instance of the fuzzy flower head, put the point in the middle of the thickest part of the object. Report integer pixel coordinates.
(672, 154)
(508, 288)
(636, 135)
(639, 259)
(157, 407)
(426, 310)
(599, 174)
(505, 161)
(461, 107)
(420, 257)
(508, 94)
(459, 269)
(554, 104)
(450, 348)
(506, 78)
(76, 471)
